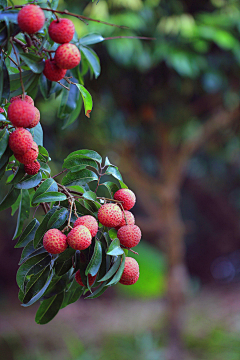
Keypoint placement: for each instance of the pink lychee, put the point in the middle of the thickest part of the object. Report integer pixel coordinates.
(54, 241)
(79, 238)
(127, 197)
(61, 31)
(129, 235)
(31, 19)
(130, 273)
(32, 168)
(130, 219)
(90, 222)
(20, 141)
(21, 113)
(110, 215)
(67, 56)
(52, 71)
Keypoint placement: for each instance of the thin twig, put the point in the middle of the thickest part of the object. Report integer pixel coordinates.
(59, 174)
(14, 62)
(129, 249)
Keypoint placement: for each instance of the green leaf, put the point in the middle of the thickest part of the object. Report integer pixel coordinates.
(58, 285)
(3, 3)
(76, 160)
(19, 175)
(112, 170)
(29, 182)
(90, 195)
(81, 177)
(62, 268)
(28, 234)
(4, 135)
(5, 82)
(23, 212)
(85, 153)
(96, 260)
(35, 284)
(34, 62)
(98, 292)
(73, 115)
(43, 227)
(72, 294)
(112, 270)
(87, 99)
(29, 251)
(58, 219)
(118, 274)
(91, 39)
(48, 185)
(49, 309)
(70, 105)
(45, 168)
(92, 59)
(37, 133)
(9, 199)
(115, 249)
(50, 196)
(82, 209)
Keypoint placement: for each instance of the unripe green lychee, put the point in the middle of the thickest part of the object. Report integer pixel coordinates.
(90, 222)
(31, 19)
(32, 168)
(20, 141)
(91, 278)
(110, 215)
(27, 98)
(52, 71)
(67, 56)
(29, 156)
(54, 241)
(130, 273)
(61, 31)
(129, 235)
(36, 119)
(79, 238)
(130, 220)
(127, 197)
(21, 113)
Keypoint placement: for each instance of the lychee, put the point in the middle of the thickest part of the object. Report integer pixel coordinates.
(27, 98)
(79, 238)
(36, 119)
(129, 235)
(61, 31)
(67, 56)
(90, 222)
(130, 273)
(21, 113)
(31, 19)
(20, 141)
(127, 197)
(1, 110)
(130, 219)
(29, 156)
(32, 168)
(54, 241)
(91, 278)
(52, 71)
(110, 215)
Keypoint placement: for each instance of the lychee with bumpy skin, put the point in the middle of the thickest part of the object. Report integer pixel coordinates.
(127, 197)
(61, 31)
(20, 141)
(52, 71)
(110, 215)
(21, 113)
(54, 241)
(36, 119)
(67, 56)
(130, 273)
(130, 220)
(29, 156)
(91, 278)
(32, 168)
(129, 235)
(90, 222)
(27, 98)
(79, 238)
(31, 19)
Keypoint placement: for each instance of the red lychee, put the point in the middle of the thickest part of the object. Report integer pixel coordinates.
(127, 197)
(130, 273)
(110, 215)
(67, 56)
(129, 235)
(32, 168)
(36, 119)
(20, 141)
(31, 19)
(61, 31)
(130, 220)
(54, 241)
(91, 278)
(90, 222)
(27, 98)
(29, 156)
(1, 110)
(21, 113)
(52, 71)
(79, 238)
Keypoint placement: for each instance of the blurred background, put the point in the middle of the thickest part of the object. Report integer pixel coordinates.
(166, 112)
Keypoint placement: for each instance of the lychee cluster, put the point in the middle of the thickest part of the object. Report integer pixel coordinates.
(23, 114)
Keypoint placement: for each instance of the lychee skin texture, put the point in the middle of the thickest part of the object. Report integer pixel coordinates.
(36, 119)
(127, 197)
(91, 278)
(20, 141)
(32, 168)
(21, 113)
(129, 235)
(110, 215)
(31, 19)
(29, 156)
(67, 56)
(54, 241)
(79, 238)
(130, 273)
(61, 31)
(52, 71)
(27, 98)
(90, 222)
(130, 220)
